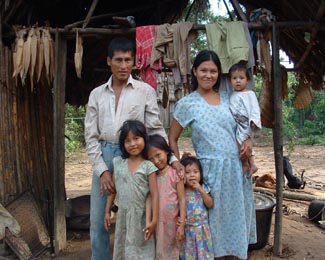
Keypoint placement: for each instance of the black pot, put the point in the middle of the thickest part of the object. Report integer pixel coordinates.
(316, 210)
(264, 204)
(77, 212)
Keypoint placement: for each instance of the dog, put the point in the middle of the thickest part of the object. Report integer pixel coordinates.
(266, 180)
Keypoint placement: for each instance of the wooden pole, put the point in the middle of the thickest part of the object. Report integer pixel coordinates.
(58, 147)
(240, 12)
(277, 139)
(90, 13)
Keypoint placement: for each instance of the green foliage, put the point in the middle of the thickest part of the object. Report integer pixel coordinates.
(300, 126)
(74, 128)
(187, 132)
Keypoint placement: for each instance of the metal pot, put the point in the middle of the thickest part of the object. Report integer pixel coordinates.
(264, 204)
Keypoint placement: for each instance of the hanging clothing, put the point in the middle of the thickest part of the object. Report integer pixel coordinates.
(144, 42)
(229, 41)
(172, 43)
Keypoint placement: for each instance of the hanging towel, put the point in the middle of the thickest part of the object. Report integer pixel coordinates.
(229, 41)
(144, 42)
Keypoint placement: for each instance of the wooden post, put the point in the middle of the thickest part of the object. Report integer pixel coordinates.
(58, 134)
(277, 139)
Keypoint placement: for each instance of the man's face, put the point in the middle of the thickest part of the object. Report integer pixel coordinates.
(121, 65)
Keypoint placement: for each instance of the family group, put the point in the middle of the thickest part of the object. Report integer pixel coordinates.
(172, 206)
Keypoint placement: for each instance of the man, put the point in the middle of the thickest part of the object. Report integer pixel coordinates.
(109, 105)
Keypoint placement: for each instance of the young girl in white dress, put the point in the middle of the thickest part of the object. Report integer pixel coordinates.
(246, 111)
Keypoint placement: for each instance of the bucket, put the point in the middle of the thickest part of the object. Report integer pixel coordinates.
(264, 204)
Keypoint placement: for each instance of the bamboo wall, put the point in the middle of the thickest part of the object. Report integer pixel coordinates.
(26, 135)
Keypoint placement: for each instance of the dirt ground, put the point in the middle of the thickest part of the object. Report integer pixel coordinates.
(302, 239)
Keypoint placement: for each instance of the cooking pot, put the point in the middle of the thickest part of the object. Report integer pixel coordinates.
(264, 204)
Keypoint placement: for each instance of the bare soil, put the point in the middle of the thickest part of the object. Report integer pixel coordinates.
(301, 238)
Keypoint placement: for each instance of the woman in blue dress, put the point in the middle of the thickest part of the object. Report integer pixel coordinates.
(206, 111)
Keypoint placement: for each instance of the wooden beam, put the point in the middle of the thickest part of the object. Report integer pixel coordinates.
(58, 135)
(290, 194)
(90, 13)
(94, 32)
(277, 138)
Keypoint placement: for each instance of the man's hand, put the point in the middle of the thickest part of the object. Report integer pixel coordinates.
(179, 169)
(106, 183)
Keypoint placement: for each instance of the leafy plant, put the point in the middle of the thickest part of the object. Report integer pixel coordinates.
(74, 128)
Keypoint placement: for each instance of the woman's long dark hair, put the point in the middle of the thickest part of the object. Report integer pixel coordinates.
(138, 129)
(202, 56)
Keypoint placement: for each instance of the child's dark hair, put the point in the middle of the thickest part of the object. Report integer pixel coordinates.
(188, 159)
(159, 142)
(120, 44)
(138, 129)
(239, 67)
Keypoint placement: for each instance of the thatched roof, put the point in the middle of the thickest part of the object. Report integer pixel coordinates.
(308, 57)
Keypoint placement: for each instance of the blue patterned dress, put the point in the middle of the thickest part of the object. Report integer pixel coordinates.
(198, 242)
(232, 219)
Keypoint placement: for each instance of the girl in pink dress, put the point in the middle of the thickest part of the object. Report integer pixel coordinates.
(172, 206)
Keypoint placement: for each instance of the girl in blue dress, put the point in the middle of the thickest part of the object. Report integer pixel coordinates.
(206, 111)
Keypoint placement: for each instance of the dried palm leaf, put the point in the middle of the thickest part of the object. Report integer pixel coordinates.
(78, 55)
(26, 57)
(19, 50)
(46, 47)
(51, 44)
(33, 50)
(40, 55)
